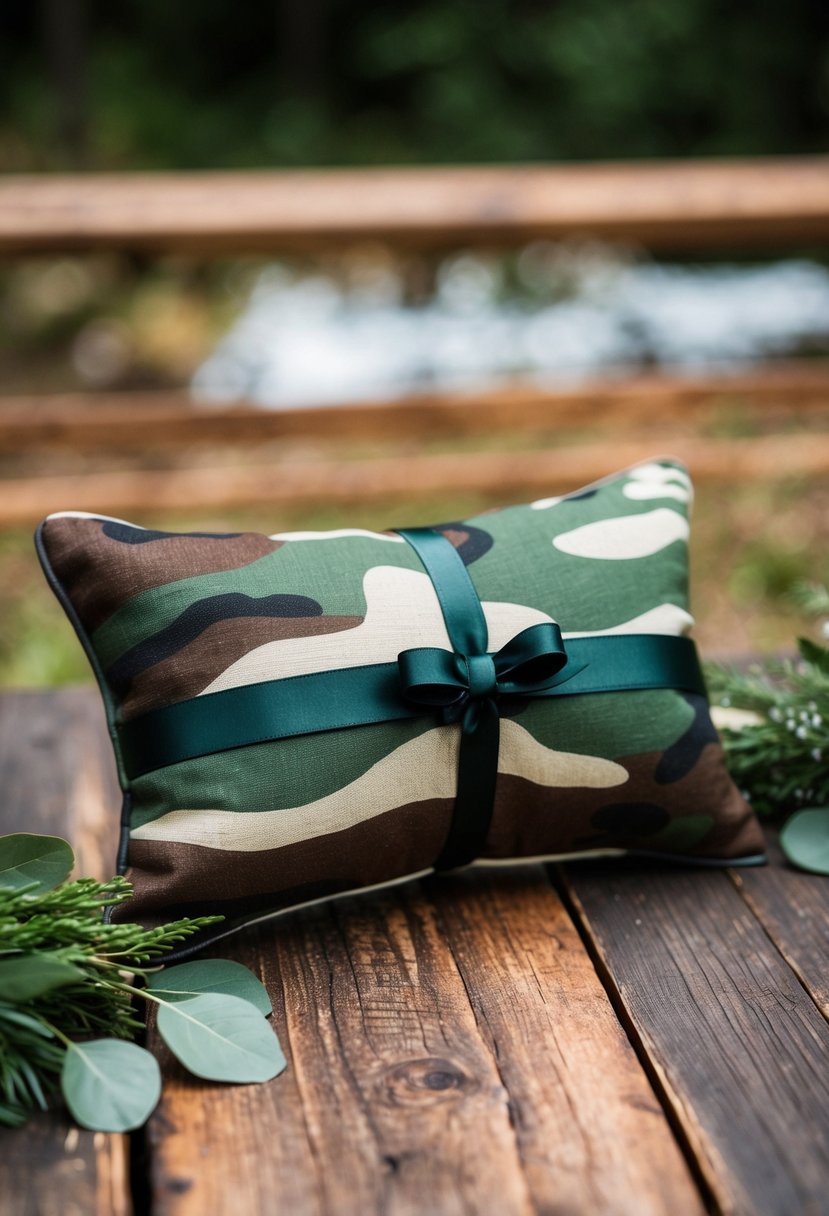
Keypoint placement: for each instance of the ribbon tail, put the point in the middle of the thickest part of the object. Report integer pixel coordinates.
(477, 775)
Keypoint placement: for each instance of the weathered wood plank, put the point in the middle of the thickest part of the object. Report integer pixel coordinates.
(57, 773)
(499, 475)
(662, 204)
(57, 776)
(390, 1093)
(733, 1039)
(794, 909)
(52, 1169)
(129, 421)
(450, 1049)
(740, 1050)
(591, 1133)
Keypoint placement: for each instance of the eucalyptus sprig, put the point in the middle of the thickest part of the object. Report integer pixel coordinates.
(774, 723)
(69, 985)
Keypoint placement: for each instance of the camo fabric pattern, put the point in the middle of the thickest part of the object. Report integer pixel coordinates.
(168, 617)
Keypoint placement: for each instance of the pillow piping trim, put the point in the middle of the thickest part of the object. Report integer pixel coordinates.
(83, 637)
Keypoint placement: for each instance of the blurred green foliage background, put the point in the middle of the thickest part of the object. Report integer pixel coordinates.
(153, 84)
(150, 84)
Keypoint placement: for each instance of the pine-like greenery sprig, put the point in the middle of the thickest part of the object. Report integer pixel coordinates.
(69, 983)
(774, 719)
(66, 925)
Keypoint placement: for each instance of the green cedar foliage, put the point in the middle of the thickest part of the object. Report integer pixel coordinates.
(780, 756)
(70, 984)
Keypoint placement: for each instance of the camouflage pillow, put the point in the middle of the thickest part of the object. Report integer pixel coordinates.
(239, 801)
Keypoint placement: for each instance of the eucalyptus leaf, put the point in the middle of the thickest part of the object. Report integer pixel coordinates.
(31, 975)
(110, 1085)
(211, 975)
(805, 840)
(221, 1038)
(38, 863)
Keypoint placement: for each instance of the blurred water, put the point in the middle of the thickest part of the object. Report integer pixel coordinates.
(554, 315)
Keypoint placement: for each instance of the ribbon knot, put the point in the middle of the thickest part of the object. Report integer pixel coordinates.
(442, 679)
(482, 675)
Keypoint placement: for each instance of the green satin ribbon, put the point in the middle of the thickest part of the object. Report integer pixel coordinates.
(466, 685)
(360, 696)
(442, 679)
(470, 685)
(459, 601)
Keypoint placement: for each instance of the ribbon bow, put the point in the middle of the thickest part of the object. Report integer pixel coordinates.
(467, 688)
(455, 683)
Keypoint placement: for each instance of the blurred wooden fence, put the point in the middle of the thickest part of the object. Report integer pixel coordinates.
(768, 423)
(665, 204)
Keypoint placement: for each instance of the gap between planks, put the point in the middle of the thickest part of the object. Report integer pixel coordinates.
(451, 1049)
(58, 777)
(760, 1145)
(793, 908)
(729, 1033)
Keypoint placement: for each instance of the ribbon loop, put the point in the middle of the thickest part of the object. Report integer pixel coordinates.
(433, 677)
(531, 660)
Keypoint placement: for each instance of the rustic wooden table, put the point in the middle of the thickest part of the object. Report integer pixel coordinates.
(584, 1039)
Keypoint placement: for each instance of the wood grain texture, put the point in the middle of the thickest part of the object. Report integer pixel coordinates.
(450, 1048)
(499, 475)
(740, 1049)
(672, 204)
(137, 420)
(57, 773)
(794, 909)
(591, 1134)
(57, 777)
(450, 1051)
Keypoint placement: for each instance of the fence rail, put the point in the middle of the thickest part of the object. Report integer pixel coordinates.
(666, 204)
(495, 475)
(133, 421)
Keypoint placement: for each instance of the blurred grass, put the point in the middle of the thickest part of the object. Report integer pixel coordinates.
(750, 544)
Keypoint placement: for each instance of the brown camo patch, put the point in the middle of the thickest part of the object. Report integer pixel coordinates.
(399, 842)
(532, 820)
(188, 672)
(98, 579)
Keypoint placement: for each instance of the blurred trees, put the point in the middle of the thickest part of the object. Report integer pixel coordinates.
(147, 83)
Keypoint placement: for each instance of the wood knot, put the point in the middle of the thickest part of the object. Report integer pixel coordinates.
(178, 1186)
(425, 1082)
